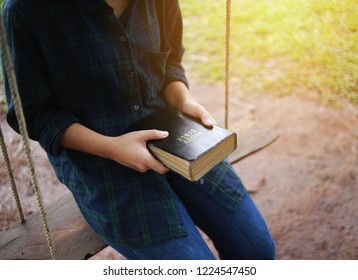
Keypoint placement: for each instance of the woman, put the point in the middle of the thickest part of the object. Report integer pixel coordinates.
(87, 70)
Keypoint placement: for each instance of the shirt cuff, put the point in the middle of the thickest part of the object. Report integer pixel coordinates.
(174, 74)
(52, 132)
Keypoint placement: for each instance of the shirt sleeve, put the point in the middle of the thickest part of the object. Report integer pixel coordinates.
(44, 120)
(173, 29)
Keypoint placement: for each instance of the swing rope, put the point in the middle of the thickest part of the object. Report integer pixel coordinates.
(227, 62)
(10, 174)
(23, 131)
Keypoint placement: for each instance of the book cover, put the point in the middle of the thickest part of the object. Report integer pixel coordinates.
(191, 149)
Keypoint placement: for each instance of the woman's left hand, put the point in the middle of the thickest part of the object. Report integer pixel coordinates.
(193, 108)
(177, 95)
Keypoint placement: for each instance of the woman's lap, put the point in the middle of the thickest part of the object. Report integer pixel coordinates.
(238, 234)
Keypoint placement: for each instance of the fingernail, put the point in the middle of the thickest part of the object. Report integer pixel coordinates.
(164, 133)
(209, 122)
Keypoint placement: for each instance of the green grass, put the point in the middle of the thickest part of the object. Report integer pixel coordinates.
(305, 47)
(2, 104)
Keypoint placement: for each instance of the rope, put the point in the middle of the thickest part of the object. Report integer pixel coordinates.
(23, 131)
(15, 193)
(227, 61)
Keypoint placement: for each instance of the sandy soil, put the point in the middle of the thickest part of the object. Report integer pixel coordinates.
(305, 183)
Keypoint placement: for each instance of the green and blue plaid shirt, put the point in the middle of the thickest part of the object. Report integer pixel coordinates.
(76, 62)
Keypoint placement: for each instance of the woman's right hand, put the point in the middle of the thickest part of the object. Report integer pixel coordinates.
(130, 150)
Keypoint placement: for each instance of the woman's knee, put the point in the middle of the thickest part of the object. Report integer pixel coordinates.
(266, 250)
(258, 250)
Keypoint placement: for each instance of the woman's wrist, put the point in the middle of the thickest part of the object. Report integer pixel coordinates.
(176, 94)
(80, 138)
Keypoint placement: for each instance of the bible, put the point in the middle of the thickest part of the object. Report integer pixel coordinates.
(191, 149)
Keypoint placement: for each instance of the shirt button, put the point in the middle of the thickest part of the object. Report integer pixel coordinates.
(136, 107)
(122, 38)
(202, 181)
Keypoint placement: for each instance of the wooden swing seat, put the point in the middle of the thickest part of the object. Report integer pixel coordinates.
(73, 237)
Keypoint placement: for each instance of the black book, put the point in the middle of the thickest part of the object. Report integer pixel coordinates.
(191, 149)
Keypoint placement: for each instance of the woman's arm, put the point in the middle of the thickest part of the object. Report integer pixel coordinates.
(177, 95)
(175, 91)
(128, 149)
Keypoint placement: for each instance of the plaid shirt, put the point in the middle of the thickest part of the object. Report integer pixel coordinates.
(76, 62)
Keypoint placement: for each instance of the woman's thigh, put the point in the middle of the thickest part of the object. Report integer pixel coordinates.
(190, 247)
(241, 233)
(237, 234)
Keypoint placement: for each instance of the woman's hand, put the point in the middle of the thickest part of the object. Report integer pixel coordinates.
(130, 150)
(193, 108)
(177, 95)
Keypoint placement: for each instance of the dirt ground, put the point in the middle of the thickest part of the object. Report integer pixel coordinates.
(305, 183)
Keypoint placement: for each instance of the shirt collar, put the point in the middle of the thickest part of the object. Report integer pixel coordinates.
(90, 6)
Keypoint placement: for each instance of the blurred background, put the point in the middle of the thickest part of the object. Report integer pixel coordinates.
(293, 69)
(308, 48)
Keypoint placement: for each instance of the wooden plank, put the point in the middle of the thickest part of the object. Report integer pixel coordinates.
(73, 237)
(252, 140)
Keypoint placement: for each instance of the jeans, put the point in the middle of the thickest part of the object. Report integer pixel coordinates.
(239, 234)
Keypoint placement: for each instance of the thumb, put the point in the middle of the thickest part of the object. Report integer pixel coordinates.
(207, 119)
(155, 134)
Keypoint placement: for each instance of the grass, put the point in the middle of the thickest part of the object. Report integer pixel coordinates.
(305, 47)
(2, 104)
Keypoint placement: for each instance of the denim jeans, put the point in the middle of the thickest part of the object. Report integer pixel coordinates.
(239, 234)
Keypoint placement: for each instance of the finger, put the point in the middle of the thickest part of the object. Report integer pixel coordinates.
(198, 111)
(159, 168)
(154, 134)
(207, 119)
(156, 165)
(151, 163)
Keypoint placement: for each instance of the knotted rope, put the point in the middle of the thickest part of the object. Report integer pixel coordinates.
(23, 131)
